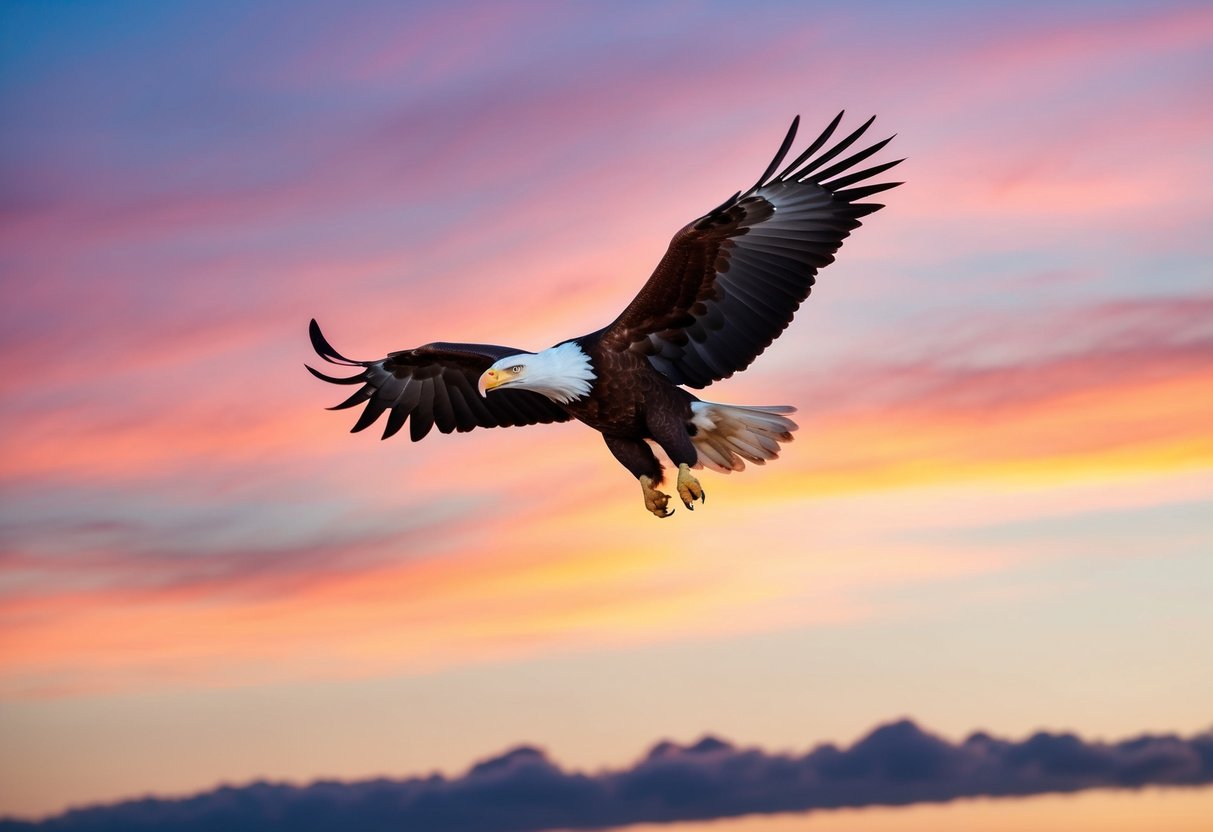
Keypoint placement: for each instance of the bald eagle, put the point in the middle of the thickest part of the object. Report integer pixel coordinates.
(726, 288)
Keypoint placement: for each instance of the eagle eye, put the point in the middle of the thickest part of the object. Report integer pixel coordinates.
(517, 368)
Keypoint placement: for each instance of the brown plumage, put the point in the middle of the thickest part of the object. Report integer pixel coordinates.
(728, 285)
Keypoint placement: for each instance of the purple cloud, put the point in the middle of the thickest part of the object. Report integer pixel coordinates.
(523, 790)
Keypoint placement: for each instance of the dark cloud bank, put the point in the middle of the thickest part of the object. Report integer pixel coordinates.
(523, 790)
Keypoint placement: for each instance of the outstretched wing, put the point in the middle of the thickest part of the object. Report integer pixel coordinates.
(434, 385)
(732, 280)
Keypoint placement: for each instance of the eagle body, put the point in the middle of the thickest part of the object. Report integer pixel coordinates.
(631, 402)
(626, 388)
(728, 285)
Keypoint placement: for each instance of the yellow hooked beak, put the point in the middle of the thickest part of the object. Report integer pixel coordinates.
(489, 380)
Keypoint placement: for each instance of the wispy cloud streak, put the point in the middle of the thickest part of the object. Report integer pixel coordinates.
(125, 530)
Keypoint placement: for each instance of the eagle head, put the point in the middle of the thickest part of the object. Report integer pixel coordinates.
(508, 371)
(562, 373)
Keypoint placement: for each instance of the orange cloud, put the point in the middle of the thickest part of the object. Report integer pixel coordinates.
(504, 565)
(519, 575)
(1107, 427)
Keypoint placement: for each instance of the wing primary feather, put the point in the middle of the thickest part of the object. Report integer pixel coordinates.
(480, 411)
(813, 148)
(444, 414)
(783, 151)
(864, 208)
(395, 421)
(853, 159)
(410, 396)
(465, 419)
(358, 398)
(804, 172)
(374, 409)
(423, 414)
(851, 178)
(325, 350)
(853, 194)
(358, 379)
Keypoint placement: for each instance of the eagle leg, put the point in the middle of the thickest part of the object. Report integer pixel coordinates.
(654, 500)
(689, 488)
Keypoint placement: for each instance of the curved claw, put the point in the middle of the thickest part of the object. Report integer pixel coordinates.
(689, 488)
(655, 501)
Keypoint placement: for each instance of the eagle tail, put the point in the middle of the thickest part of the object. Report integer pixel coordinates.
(727, 434)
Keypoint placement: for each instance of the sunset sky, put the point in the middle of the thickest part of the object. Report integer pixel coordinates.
(995, 515)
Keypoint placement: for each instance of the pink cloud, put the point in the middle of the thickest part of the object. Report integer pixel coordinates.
(1117, 405)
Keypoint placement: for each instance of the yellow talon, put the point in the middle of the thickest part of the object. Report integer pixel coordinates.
(654, 500)
(689, 488)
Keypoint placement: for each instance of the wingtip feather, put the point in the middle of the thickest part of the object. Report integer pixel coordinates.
(324, 349)
(779, 156)
(813, 147)
(335, 379)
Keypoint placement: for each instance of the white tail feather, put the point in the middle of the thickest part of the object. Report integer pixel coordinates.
(728, 434)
